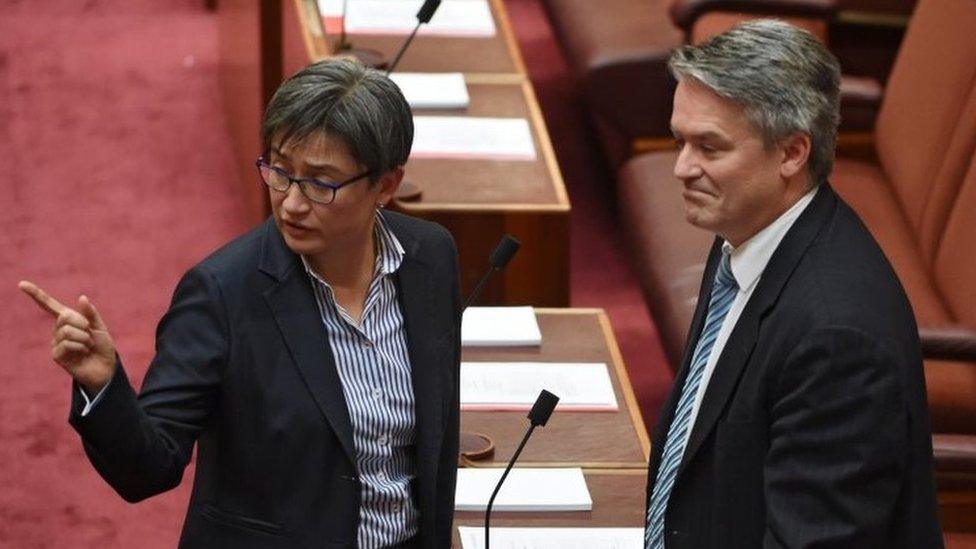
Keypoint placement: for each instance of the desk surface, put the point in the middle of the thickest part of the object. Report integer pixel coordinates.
(498, 54)
(491, 185)
(589, 439)
(618, 501)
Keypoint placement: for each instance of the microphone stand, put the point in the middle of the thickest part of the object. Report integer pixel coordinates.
(491, 501)
(370, 58)
(538, 416)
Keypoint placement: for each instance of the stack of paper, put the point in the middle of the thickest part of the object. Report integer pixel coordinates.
(553, 538)
(525, 489)
(433, 90)
(461, 18)
(500, 327)
(472, 137)
(581, 387)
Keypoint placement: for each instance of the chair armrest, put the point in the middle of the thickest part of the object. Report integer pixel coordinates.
(954, 453)
(948, 343)
(684, 13)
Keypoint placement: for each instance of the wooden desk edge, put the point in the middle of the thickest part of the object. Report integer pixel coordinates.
(618, 363)
(547, 151)
(509, 35)
(627, 388)
(561, 205)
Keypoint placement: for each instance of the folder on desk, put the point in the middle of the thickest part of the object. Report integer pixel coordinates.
(525, 489)
(472, 137)
(500, 327)
(458, 18)
(514, 386)
(433, 90)
(473, 537)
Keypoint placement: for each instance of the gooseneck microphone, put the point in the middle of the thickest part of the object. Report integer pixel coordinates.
(343, 44)
(538, 416)
(499, 258)
(423, 16)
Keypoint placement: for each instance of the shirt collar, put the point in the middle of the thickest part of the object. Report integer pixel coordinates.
(749, 259)
(389, 252)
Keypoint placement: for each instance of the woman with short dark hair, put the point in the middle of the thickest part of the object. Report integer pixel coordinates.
(313, 360)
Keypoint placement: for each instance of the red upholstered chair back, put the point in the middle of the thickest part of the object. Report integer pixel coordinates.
(926, 129)
(955, 266)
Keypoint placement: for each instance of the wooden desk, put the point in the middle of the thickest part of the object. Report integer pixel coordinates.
(477, 200)
(618, 501)
(498, 54)
(480, 200)
(583, 439)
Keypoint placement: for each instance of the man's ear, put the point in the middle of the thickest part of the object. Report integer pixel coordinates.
(796, 154)
(388, 184)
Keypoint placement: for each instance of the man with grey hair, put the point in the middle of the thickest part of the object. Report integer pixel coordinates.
(798, 416)
(313, 361)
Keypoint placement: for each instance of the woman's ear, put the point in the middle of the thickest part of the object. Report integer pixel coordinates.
(388, 184)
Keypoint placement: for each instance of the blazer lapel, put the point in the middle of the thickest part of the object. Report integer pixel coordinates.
(416, 294)
(743, 338)
(697, 323)
(293, 306)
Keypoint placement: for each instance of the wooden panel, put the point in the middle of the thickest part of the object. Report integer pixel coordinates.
(603, 439)
(249, 70)
(539, 273)
(618, 502)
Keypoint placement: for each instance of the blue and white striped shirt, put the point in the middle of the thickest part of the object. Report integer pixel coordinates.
(374, 368)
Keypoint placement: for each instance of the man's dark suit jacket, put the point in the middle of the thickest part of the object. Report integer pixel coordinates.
(814, 429)
(243, 367)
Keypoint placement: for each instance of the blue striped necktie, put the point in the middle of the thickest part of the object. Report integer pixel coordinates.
(723, 294)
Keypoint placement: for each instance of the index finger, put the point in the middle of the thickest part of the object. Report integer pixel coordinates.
(44, 301)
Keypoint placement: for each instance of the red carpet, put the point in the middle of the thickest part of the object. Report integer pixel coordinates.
(120, 176)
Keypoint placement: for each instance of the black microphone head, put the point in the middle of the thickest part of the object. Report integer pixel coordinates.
(542, 409)
(504, 251)
(427, 10)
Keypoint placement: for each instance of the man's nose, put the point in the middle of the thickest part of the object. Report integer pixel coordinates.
(686, 165)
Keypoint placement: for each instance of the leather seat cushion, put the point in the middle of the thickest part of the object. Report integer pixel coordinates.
(667, 253)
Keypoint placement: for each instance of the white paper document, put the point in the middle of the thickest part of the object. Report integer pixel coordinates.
(460, 18)
(525, 489)
(473, 537)
(500, 327)
(510, 386)
(472, 137)
(433, 90)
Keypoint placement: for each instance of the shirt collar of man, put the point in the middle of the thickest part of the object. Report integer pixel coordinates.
(749, 259)
(389, 252)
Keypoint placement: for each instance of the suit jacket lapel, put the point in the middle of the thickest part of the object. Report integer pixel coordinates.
(415, 291)
(697, 323)
(742, 340)
(293, 306)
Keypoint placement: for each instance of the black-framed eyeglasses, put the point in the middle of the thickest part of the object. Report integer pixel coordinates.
(316, 190)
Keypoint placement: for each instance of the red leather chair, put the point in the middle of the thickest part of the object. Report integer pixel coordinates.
(618, 51)
(918, 198)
